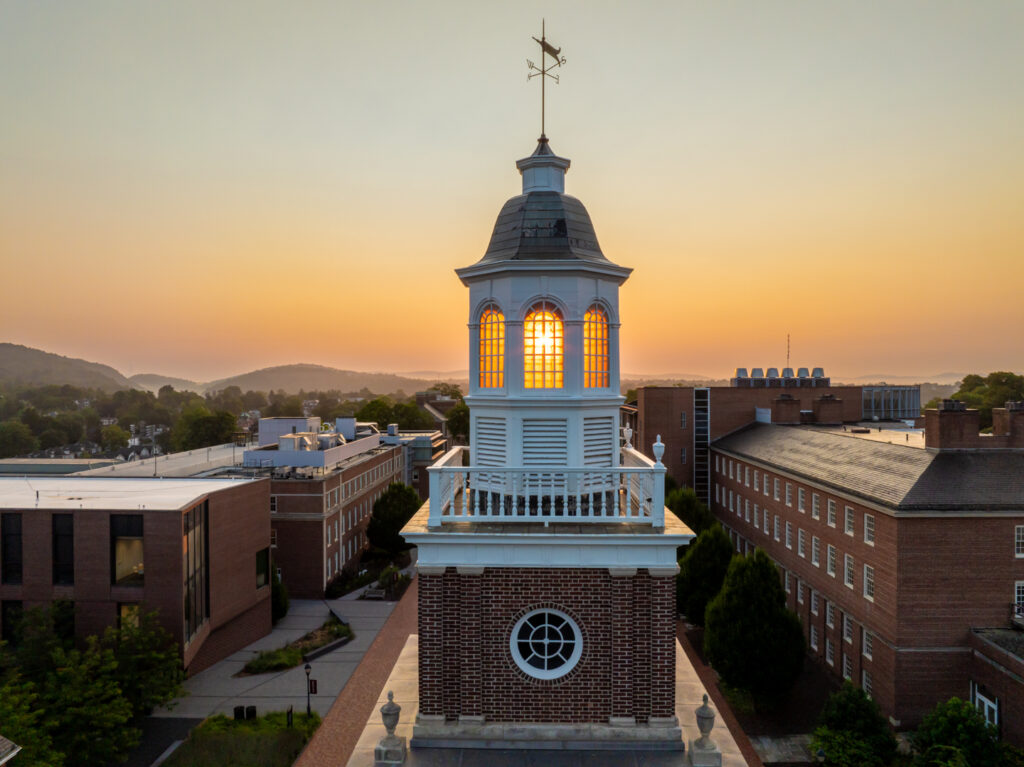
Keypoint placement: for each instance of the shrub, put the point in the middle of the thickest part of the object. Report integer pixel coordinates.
(263, 742)
(751, 639)
(274, 660)
(391, 511)
(956, 729)
(852, 730)
(388, 577)
(702, 571)
(684, 503)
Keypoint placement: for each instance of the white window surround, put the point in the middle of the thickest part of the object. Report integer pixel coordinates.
(757, 481)
(830, 614)
(830, 652)
(832, 513)
(799, 591)
(801, 542)
(848, 523)
(814, 637)
(847, 629)
(815, 551)
(830, 563)
(746, 476)
(789, 494)
(869, 529)
(801, 500)
(777, 526)
(1018, 543)
(814, 602)
(869, 583)
(848, 570)
(789, 535)
(531, 646)
(776, 488)
(815, 506)
(865, 681)
(867, 643)
(847, 667)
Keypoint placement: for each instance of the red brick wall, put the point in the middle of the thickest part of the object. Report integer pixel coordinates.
(243, 630)
(628, 662)
(1000, 675)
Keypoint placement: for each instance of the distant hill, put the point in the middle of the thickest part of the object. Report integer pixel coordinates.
(900, 380)
(153, 382)
(33, 367)
(293, 378)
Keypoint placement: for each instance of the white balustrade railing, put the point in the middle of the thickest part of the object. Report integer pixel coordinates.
(633, 492)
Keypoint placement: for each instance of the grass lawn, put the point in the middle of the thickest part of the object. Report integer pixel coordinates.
(291, 654)
(263, 742)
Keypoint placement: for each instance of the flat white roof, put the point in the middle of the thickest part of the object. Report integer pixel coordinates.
(119, 494)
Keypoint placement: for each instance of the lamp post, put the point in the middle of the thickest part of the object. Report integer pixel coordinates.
(307, 669)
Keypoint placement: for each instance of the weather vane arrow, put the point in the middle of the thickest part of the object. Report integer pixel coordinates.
(544, 70)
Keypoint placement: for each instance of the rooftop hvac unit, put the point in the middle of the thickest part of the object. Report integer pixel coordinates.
(818, 373)
(741, 372)
(757, 373)
(773, 372)
(803, 373)
(787, 372)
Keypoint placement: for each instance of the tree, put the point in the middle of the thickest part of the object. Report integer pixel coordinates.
(408, 415)
(377, 410)
(852, 730)
(991, 391)
(23, 722)
(458, 422)
(42, 631)
(702, 571)
(447, 390)
(684, 503)
(113, 437)
(198, 427)
(16, 439)
(391, 512)
(750, 638)
(149, 670)
(87, 714)
(956, 727)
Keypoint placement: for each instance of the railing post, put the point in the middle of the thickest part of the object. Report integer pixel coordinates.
(658, 491)
(435, 500)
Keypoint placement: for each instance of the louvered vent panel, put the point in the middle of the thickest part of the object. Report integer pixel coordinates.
(491, 442)
(545, 442)
(598, 441)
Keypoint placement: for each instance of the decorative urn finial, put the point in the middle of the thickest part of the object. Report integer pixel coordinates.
(627, 436)
(391, 749)
(659, 450)
(705, 722)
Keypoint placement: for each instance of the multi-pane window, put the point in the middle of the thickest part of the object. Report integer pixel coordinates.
(543, 344)
(830, 652)
(731, 507)
(830, 614)
(801, 499)
(273, 504)
(757, 517)
(831, 513)
(849, 520)
(746, 476)
(1018, 542)
(717, 499)
(830, 564)
(815, 551)
(800, 591)
(1019, 601)
(847, 667)
(848, 574)
(746, 509)
(766, 523)
(801, 542)
(789, 494)
(263, 567)
(869, 582)
(730, 468)
(492, 348)
(847, 629)
(716, 462)
(682, 455)
(867, 643)
(595, 348)
(10, 548)
(195, 568)
(777, 526)
(814, 602)
(789, 535)
(682, 425)
(785, 577)
(869, 529)
(865, 681)
(814, 637)
(63, 549)
(127, 566)
(757, 483)
(775, 489)
(815, 506)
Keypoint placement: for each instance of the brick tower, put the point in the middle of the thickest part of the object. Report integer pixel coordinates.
(546, 561)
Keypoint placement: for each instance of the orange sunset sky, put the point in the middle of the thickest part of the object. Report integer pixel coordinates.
(200, 189)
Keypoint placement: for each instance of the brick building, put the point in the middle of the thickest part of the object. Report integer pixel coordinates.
(690, 418)
(905, 565)
(546, 561)
(196, 550)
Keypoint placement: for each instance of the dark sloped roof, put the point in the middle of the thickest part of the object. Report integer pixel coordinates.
(542, 226)
(905, 478)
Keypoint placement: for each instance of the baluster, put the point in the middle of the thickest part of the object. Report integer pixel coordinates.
(580, 479)
(476, 495)
(515, 498)
(614, 482)
(565, 494)
(627, 478)
(464, 476)
(490, 494)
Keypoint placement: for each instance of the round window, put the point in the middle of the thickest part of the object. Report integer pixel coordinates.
(546, 644)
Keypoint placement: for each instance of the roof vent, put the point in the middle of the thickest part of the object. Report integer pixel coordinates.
(773, 372)
(818, 373)
(952, 405)
(787, 372)
(741, 372)
(803, 373)
(757, 373)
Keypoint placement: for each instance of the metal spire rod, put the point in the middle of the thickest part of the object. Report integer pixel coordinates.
(544, 71)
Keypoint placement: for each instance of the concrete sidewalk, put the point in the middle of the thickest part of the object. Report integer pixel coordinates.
(217, 691)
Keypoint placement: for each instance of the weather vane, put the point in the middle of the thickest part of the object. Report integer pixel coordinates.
(544, 71)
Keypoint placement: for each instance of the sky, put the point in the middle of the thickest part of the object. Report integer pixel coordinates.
(201, 189)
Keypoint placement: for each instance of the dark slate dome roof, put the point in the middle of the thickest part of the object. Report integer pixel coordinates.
(543, 225)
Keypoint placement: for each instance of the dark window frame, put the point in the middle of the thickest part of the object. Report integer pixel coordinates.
(63, 530)
(126, 526)
(11, 548)
(263, 558)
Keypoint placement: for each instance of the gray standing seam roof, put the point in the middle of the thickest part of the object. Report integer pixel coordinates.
(903, 478)
(543, 225)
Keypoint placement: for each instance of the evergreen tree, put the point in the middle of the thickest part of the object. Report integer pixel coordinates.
(684, 503)
(23, 721)
(852, 730)
(751, 639)
(148, 669)
(702, 571)
(956, 728)
(391, 512)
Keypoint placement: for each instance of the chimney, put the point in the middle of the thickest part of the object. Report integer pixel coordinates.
(1008, 422)
(786, 409)
(952, 427)
(828, 409)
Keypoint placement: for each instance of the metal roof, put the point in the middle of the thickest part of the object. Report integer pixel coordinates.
(543, 225)
(901, 477)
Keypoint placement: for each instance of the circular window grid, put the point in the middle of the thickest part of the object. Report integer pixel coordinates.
(546, 644)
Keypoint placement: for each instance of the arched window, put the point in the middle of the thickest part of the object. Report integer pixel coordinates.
(492, 349)
(543, 346)
(595, 348)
